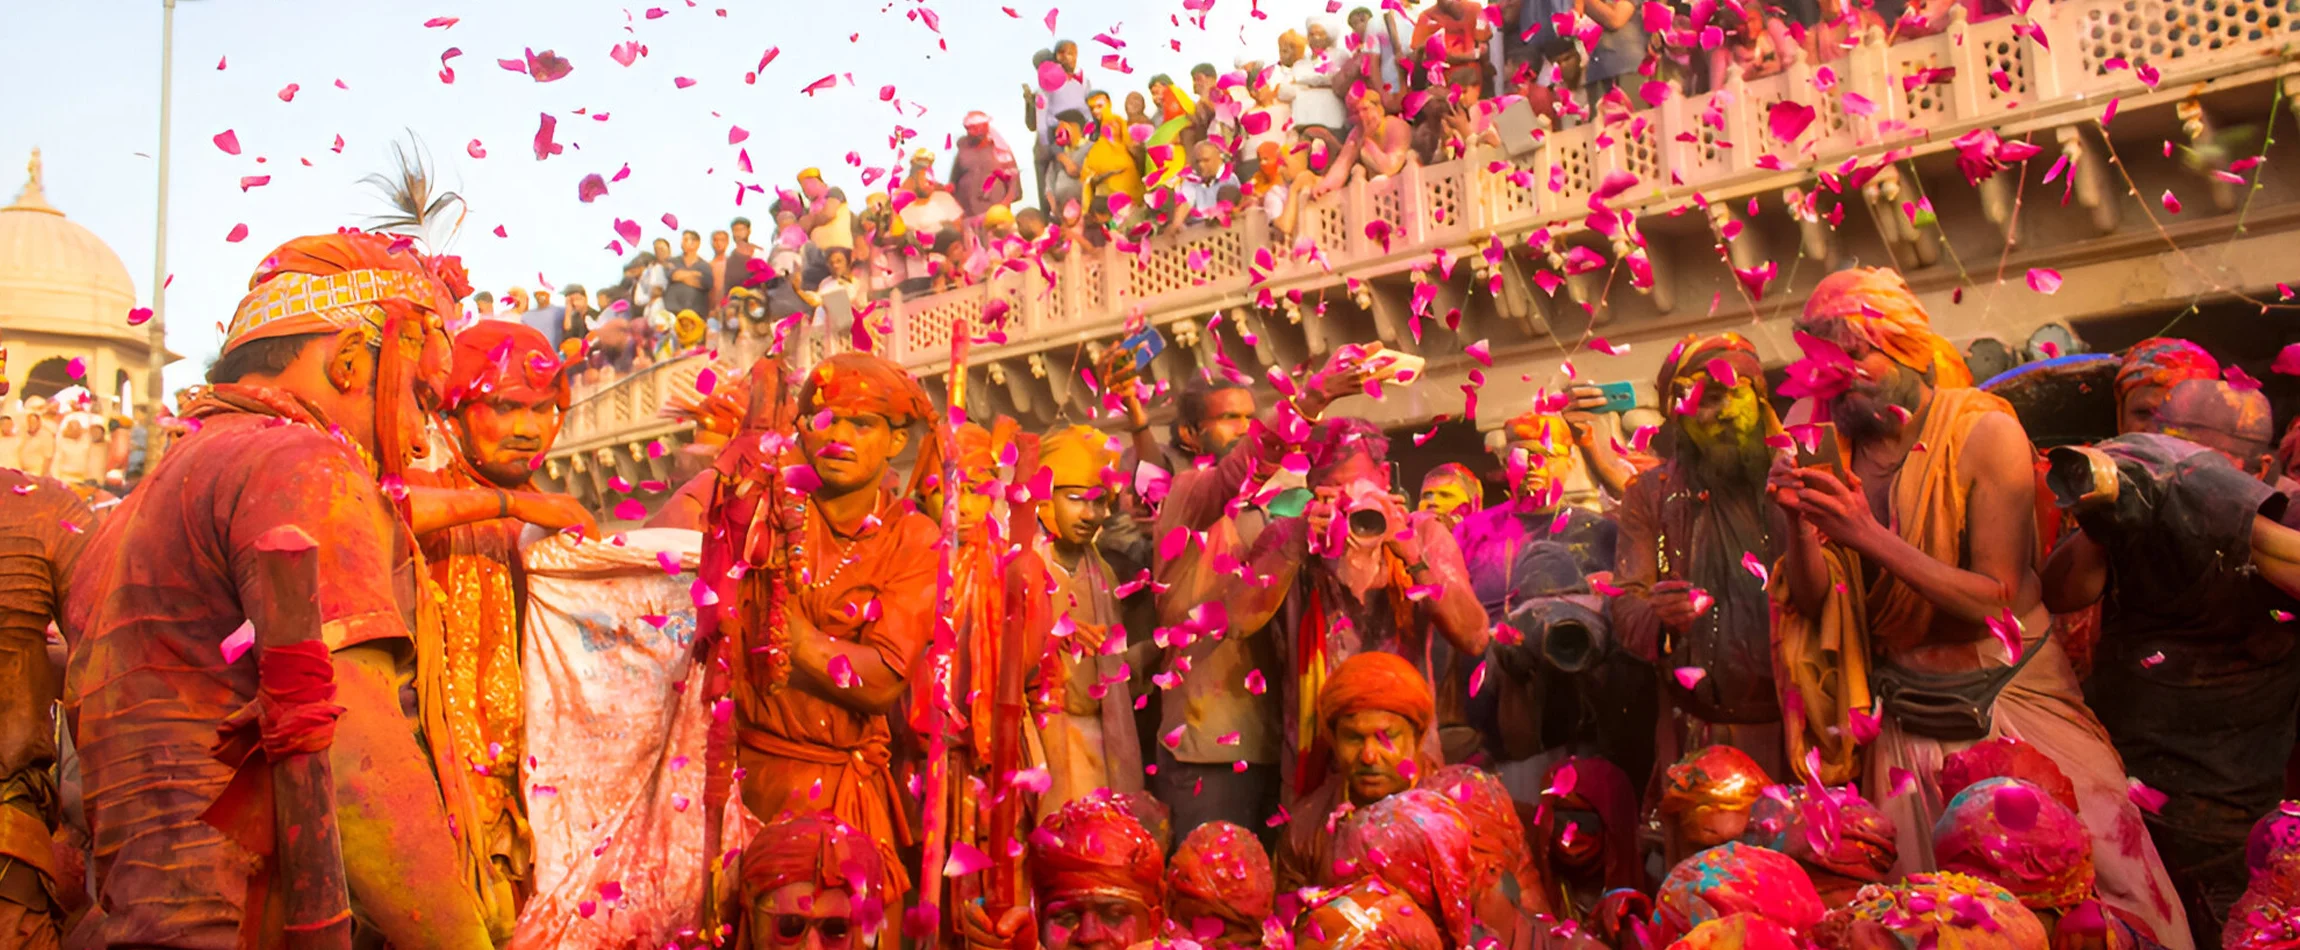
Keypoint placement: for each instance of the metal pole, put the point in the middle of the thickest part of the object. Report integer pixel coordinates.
(155, 387)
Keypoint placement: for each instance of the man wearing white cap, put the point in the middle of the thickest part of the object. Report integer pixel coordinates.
(983, 174)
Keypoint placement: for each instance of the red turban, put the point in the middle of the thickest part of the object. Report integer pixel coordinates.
(1094, 846)
(821, 850)
(2005, 758)
(2015, 835)
(1221, 871)
(1367, 915)
(500, 356)
(1596, 785)
(861, 382)
(1717, 777)
(1878, 306)
(1418, 843)
(1377, 682)
(1842, 834)
(1737, 932)
(1736, 878)
(2162, 361)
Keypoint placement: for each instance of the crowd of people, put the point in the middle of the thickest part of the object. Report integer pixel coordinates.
(1876, 675)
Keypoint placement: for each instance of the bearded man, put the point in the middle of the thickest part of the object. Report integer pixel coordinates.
(501, 411)
(313, 400)
(1687, 526)
(1373, 716)
(811, 882)
(2196, 680)
(44, 527)
(1935, 611)
(1219, 889)
(859, 593)
(1088, 730)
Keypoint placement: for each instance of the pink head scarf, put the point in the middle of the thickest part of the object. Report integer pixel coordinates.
(1736, 878)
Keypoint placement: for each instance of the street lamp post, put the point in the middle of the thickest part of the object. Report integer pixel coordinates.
(155, 386)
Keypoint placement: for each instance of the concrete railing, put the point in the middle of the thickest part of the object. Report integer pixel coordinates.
(1917, 94)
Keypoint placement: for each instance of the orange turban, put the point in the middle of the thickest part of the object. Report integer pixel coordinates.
(1718, 777)
(1094, 846)
(1877, 304)
(499, 356)
(1077, 455)
(1377, 682)
(326, 283)
(821, 850)
(1743, 931)
(1221, 871)
(862, 382)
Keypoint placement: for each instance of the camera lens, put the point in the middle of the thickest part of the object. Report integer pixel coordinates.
(1569, 645)
(1369, 522)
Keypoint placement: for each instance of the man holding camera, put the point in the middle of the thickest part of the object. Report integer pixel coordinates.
(1689, 529)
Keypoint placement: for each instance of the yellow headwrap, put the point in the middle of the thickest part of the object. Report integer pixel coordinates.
(1077, 455)
(1877, 303)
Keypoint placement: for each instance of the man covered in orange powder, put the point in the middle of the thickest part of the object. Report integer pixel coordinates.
(811, 882)
(505, 391)
(1915, 572)
(817, 666)
(44, 527)
(1099, 877)
(1372, 717)
(312, 402)
(1088, 727)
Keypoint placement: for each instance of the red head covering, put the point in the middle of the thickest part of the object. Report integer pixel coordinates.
(1368, 915)
(820, 850)
(1936, 911)
(1719, 777)
(1692, 357)
(1502, 873)
(2162, 361)
(1094, 846)
(1220, 871)
(1737, 932)
(1601, 787)
(864, 383)
(2267, 917)
(1876, 304)
(1839, 833)
(500, 356)
(2005, 758)
(1418, 843)
(2016, 836)
(1736, 878)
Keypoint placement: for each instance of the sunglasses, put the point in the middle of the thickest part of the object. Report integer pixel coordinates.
(792, 928)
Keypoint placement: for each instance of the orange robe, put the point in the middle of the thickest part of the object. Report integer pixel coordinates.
(802, 752)
(44, 526)
(1826, 662)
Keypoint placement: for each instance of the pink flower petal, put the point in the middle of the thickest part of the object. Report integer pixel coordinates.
(625, 53)
(139, 316)
(1602, 346)
(1688, 676)
(287, 92)
(2238, 379)
(2287, 361)
(238, 233)
(441, 22)
(228, 140)
(2150, 800)
(2171, 202)
(1755, 567)
(842, 672)
(475, 150)
(591, 188)
(1788, 119)
(2043, 280)
(241, 640)
(630, 509)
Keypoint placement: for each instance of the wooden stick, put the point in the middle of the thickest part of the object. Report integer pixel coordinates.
(307, 851)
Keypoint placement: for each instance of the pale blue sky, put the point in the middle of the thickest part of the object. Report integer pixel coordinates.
(81, 82)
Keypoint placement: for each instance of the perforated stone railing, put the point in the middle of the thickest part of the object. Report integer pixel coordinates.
(1985, 74)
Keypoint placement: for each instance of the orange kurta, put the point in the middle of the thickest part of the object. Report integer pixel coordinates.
(801, 751)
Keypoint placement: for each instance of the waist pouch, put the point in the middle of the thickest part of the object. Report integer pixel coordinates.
(1948, 707)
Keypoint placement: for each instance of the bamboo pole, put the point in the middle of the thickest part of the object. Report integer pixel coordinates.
(307, 851)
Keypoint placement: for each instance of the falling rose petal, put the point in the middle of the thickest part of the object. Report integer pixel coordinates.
(2017, 807)
(2148, 75)
(2007, 630)
(965, 859)
(628, 231)
(441, 22)
(1902, 782)
(2171, 202)
(2043, 280)
(544, 130)
(1863, 725)
(682, 82)
(1688, 676)
(669, 561)
(1755, 567)
(547, 66)
(2238, 379)
(77, 368)
(591, 188)
(701, 594)
(2148, 799)
(611, 891)
(501, 233)
(2109, 115)
(625, 53)
(1788, 119)
(1477, 678)
(1602, 346)
(228, 140)
(238, 644)
(842, 672)
(1256, 683)
(737, 134)
(821, 84)
(1034, 781)
(2287, 361)
(475, 150)
(141, 315)
(287, 92)
(1563, 785)
(1481, 351)
(238, 233)
(630, 509)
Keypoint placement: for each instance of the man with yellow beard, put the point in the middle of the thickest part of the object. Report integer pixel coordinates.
(1688, 601)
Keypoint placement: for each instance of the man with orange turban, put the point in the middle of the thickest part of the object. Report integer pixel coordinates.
(1372, 717)
(1219, 892)
(500, 412)
(1688, 528)
(313, 401)
(825, 598)
(811, 882)
(1913, 573)
(1706, 799)
(1087, 727)
(44, 528)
